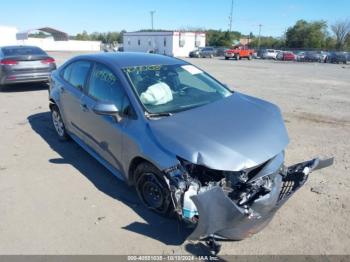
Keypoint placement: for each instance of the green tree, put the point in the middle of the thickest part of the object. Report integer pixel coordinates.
(307, 34)
(221, 38)
(267, 42)
(106, 38)
(39, 34)
(83, 36)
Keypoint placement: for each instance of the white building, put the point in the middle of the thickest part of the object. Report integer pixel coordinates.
(57, 41)
(171, 43)
(8, 35)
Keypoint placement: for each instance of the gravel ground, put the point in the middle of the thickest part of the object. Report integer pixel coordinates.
(56, 199)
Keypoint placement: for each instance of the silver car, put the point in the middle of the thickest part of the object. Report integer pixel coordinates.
(22, 64)
(189, 145)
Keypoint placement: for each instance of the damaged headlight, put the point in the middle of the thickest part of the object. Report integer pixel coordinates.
(187, 180)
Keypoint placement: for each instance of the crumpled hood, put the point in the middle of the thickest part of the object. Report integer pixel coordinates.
(234, 133)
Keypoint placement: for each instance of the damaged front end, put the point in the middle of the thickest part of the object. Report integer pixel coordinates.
(234, 205)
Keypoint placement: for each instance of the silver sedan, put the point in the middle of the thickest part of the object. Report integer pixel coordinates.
(22, 64)
(189, 145)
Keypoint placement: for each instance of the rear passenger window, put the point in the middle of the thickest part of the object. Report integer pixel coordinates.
(76, 73)
(66, 72)
(105, 86)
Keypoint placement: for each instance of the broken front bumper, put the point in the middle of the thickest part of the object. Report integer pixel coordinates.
(219, 216)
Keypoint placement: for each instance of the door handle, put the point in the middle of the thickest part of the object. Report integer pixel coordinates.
(62, 89)
(84, 107)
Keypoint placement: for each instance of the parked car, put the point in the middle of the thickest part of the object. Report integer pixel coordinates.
(203, 52)
(239, 53)
(195, 53)
(337, 57)
(313, 56)
(269, 54)
(220, 51)
(260, 52)
(188, 144)
(299, 56)
(22, 64)
(323, 55)
(207, 52)
(285, 56)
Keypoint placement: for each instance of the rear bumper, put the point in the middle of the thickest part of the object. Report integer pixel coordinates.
(25, 78)
(220, 217)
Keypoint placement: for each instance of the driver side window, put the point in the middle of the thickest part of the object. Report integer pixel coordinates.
(106, 87)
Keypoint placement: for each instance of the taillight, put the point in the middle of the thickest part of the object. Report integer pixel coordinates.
(8, 62)
(48, 61)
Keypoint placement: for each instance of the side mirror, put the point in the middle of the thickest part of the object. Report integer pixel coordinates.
(106, 109)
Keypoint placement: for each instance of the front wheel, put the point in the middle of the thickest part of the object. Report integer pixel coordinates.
(152, 189)
(58, 123)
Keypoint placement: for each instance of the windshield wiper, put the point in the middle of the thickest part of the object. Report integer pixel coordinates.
(152, 115)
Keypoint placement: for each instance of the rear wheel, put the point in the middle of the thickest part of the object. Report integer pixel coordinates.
(226, 58)
(58, 123)
(152, 189)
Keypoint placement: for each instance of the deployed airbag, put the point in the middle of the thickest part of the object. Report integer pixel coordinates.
(157, 94)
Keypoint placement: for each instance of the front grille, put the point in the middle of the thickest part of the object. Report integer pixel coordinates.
(291, 183)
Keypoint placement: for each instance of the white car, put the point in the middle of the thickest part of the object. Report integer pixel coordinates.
(269, 54)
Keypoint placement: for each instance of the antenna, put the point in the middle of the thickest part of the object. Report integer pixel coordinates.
(231, 16)
(152, 14)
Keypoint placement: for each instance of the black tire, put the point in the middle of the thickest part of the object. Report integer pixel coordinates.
(58, 123)
(226, 58)
(152, 189)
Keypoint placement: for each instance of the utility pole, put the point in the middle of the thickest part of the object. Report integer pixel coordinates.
(260, 25)
(231, 16)
(152, 14)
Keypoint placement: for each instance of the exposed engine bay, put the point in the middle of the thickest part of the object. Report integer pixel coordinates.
(235, 204)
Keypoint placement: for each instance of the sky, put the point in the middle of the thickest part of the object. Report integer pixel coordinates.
(74, 16)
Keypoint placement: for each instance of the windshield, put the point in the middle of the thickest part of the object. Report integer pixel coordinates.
(22, 50)
(173, 88)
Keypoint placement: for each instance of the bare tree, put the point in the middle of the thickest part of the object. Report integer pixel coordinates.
(341, 29)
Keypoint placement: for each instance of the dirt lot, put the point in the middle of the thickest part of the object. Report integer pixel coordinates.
(56, 199)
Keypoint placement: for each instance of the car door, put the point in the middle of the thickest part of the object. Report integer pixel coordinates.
(75, 76)
(105, 133)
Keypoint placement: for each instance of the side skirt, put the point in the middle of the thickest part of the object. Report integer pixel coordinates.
(92, 152)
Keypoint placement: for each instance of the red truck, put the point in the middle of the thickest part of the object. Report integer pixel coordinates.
(238, 53)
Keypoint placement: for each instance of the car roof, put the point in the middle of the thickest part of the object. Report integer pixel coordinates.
(18, 46)
(127, 59)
